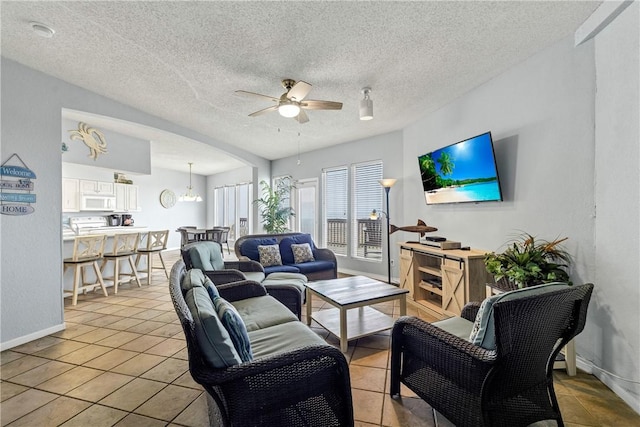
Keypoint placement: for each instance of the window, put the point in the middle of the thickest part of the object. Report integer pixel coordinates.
(336, 207)
(233, 208)
(305, 203)
(366, 233)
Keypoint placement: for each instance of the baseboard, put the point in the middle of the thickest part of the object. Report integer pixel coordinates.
(362, 273)
(31, 337)
(610, 382)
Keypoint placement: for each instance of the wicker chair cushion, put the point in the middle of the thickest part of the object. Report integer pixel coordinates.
(213, 339)
(233, 323)
(286, 250)
(249, 248)
(282, 338)
(206, 256)
(483, 332)
(269, 255)
(302, 253)
(263, 312)
(458, 326)
(194, 278)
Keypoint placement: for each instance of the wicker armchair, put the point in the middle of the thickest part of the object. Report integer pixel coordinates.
(510, 386)
(307, 386)
(233, 270)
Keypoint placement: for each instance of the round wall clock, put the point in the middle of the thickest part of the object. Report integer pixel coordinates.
(167, 199)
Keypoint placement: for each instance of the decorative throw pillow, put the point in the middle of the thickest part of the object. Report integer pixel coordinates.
(214, 340)
(302, 253)
(483, 332)
(211, 289)
(234, 324)
(269, 255)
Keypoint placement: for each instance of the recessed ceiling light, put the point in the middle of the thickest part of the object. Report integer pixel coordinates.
(42, 30)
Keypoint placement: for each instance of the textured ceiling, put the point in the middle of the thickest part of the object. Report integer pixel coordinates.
(182, 61)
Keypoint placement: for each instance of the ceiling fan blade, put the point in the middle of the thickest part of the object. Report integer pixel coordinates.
(244, 92)
(299, 91)
(312, 104)
(302, 117)
(266, 110)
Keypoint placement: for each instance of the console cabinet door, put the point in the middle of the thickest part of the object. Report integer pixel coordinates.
(406, 271)
(453, 289)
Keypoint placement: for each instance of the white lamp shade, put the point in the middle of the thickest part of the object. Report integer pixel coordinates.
(366, 109)
(289, 110)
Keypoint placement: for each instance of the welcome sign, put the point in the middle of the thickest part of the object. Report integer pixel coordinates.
(16, 188)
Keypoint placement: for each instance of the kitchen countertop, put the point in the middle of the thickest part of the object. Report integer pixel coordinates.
(109, 231)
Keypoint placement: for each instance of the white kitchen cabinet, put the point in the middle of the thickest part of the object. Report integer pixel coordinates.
(70, 195)
(127, 198)
(96, 187)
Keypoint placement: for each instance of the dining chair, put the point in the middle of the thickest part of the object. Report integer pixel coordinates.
(156, 242)
(87, 251)
(125, 246)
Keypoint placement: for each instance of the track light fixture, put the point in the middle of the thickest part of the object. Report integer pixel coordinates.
(366, 105)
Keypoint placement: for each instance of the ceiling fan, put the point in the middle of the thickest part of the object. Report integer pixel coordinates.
(292, 103)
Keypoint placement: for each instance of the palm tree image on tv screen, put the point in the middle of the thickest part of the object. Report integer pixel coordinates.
(462, 172)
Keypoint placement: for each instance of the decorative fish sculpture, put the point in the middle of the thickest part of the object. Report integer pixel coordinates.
(421, 228)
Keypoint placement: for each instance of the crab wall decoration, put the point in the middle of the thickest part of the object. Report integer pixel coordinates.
(92, 138)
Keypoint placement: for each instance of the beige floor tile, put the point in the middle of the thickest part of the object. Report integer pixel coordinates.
(182, 354)
(406, 411)
(166, 317)
(132, 394)
(368, 378)
(146, 326)
(138, 365)
(168, 347)
(186, 380)
(18, 366)
(151, 303)
(9, 356)
(168, 330)
(127, 311)
(574, 412)
(92, 306)
(73, 330)
(42, 373)
(167, 371)
(367, 406)
(111, 359)
(85, 354)
(53, 413)
(118, 339)
(142, 343)
(165, 306)
(609, 412)
(148, 314)
(168, 403)
(135, 420)
(96, 335)
(69, 380)
(37, 345)
(113, 309)
(100, 386)
(59, 350)
(125, 323)
(96, 416)
(8, 390)
(195, 415)
(83, 317)
(23, 403)
(370, 357)
(104, 321)
(379, 342)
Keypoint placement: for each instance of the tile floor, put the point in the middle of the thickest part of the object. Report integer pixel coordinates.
(122, 361)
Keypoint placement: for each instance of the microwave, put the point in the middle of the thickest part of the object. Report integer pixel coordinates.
(97, 202)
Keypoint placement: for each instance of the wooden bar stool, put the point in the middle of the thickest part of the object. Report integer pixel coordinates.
(87, 251)
(156, 242)
(125, 246)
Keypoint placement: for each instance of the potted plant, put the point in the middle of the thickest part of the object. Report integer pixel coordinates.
(528, 261)
(274, 206)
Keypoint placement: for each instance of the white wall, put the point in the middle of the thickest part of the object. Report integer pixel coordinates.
(32, 102)
(387, 147)
(614, 324)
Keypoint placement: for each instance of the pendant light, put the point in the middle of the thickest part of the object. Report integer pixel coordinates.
(366, 105)
(189, 196)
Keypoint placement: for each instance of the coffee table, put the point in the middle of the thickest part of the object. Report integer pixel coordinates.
(349, 293)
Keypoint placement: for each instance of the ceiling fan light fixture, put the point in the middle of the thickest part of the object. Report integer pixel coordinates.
(366, 105)
(288, 109)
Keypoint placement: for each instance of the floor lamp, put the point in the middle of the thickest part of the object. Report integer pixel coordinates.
(387, 184)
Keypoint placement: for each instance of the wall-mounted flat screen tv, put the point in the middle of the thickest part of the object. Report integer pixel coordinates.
(462, 172)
